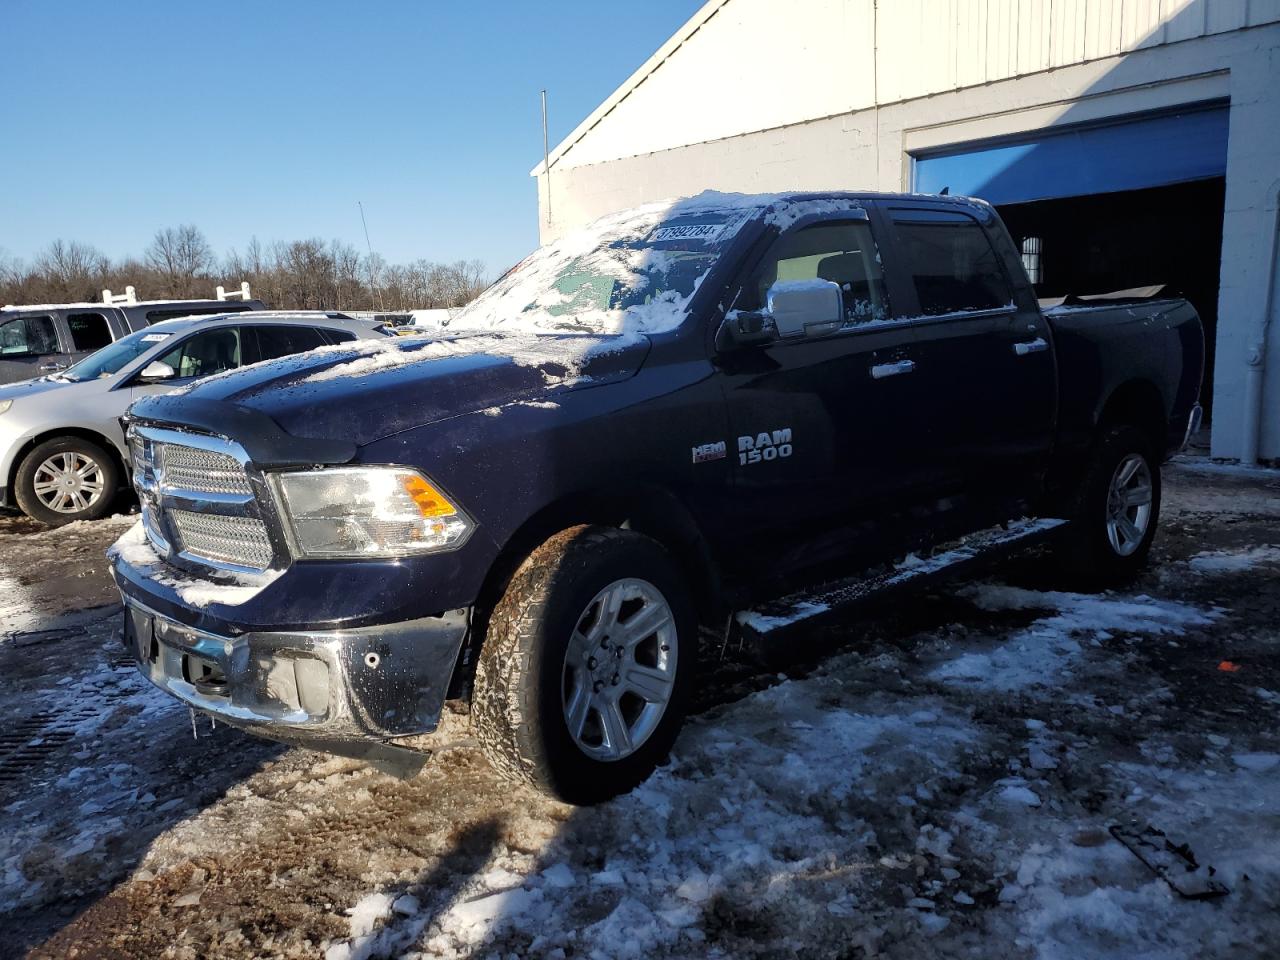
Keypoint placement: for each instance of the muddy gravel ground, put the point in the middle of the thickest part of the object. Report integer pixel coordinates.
(935, 780)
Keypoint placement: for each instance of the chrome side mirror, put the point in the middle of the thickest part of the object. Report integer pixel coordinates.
(806, 308)
(156, 371)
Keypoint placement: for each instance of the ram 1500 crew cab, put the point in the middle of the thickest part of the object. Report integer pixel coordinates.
(670, 419)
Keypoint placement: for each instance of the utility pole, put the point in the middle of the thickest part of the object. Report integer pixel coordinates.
(368, 246)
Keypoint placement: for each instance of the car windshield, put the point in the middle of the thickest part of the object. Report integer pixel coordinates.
(108, 361)
(632, 272)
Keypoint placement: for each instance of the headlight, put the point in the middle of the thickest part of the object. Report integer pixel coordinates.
(368, 512)
(5, 405)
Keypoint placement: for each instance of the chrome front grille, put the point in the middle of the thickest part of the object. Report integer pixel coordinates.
(241, 541)
(202, 471)
(198, 501)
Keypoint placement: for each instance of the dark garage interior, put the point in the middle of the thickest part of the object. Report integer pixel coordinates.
(1104, 242)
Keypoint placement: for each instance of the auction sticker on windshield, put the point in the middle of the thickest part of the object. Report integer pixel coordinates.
(688, 231)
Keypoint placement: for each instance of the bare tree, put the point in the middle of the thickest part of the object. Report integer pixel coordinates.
(180, 255)
(303, 274)
(72, 271)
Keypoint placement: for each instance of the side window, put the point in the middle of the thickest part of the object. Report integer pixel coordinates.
(953, 266)
(157, 316)
(28, 336)
(844, 253)
(89, 331)
(339, 336)
(282, 341)
(206, 353)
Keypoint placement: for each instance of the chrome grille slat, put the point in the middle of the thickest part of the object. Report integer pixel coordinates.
(202, 471)
(198, 502)
(242, 541)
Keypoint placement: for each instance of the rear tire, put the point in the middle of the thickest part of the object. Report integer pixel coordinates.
(1115, 511)
(596, 632)
(64, 480)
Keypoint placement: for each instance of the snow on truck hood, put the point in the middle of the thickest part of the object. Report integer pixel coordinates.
(370, 389)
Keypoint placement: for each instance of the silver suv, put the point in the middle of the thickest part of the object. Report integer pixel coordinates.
(62, 450)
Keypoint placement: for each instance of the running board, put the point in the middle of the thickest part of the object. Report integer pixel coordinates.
(774, 619)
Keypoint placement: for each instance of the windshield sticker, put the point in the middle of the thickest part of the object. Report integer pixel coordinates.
(155, 337)
(688, 231)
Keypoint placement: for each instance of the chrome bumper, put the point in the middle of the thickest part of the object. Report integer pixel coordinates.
(347, 692)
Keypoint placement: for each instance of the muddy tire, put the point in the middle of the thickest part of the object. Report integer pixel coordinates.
(1115, 511)
(587, 665)
(66, 479)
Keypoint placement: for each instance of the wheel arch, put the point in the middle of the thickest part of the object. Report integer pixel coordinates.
(646, 508)
(1138, 403)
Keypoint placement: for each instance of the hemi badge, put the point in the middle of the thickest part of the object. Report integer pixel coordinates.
(709, 451)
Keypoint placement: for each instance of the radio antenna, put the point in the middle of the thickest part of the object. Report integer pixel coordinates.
(368, 246)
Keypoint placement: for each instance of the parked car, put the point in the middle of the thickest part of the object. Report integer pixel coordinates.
(62, 447)
(46, 338)
(731, 413)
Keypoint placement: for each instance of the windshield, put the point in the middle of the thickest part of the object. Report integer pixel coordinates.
(109, 360)
(632, 272)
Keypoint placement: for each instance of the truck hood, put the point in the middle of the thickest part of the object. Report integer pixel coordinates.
(364, 391)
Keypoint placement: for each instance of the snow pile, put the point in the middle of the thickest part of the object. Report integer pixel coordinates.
(1039, 654)
(753, 803)
(1234, 561)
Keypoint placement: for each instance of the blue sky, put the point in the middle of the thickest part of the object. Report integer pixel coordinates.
(273, 118)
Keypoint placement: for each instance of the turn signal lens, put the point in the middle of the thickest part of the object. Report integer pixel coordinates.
(431, 502)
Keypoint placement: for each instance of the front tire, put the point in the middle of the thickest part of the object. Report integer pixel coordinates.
(64, 480)
(1115, 511)
(587, 665)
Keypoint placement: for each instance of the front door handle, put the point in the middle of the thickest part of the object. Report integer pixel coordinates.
(882, 370)
(1037, 345)
(52, 367)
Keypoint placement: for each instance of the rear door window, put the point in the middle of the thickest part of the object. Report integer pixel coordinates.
(952, 264)
(339, 336)
(89, 331)
(205, 354)
(28, 337)
(283, 341)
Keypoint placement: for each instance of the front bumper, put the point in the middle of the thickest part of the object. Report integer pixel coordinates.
(347, 691)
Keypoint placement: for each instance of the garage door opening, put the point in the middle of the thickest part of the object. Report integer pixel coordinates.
(1162, 235)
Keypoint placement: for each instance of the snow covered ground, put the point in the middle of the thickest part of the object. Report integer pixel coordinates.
(936, 781)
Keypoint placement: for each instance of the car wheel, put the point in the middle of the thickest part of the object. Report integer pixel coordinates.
(64, 480)
(586, 667)
(1116, 510)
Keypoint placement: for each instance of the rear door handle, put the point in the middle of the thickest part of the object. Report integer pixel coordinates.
(882, 370)
(1037, 345)
(52, 367)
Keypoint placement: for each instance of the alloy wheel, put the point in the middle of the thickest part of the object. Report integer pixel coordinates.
(69, 482)
(1129, 500)
(620, 669)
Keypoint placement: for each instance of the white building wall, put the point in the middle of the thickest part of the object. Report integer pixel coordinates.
(945, 72)
(746, 65)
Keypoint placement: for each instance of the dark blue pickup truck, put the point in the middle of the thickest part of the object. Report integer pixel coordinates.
(722, 414)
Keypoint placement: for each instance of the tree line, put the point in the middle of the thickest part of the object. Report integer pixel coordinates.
(179, 263)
